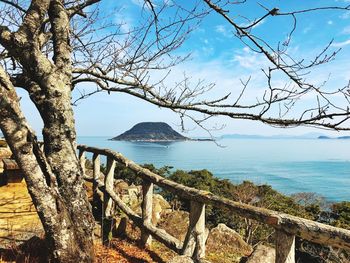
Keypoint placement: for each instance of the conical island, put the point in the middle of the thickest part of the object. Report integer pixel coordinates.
(151, 132)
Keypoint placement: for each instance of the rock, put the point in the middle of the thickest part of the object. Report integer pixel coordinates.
(97, 232)
(130, 194)
(223, 239)
(262, 254)
(160, 205)
(135, 192)
(175, 223)
(161, 201)
(181, 259)
(120, 186)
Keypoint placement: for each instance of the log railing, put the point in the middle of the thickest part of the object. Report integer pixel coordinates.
(286, 226)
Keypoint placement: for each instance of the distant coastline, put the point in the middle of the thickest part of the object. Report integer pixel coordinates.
(334, 138)
(308, 136)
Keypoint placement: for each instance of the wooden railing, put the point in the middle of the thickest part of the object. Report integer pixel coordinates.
(286, 226)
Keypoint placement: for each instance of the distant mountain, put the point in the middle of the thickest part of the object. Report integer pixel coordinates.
(324, 137)
(152, 132)
(344, 137)
(280, 136)
(340, 137)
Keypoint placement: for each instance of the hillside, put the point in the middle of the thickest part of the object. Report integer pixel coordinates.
(150, 131)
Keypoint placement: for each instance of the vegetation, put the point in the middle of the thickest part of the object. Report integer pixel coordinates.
(49, 48)
(307, 205)
(341, 212)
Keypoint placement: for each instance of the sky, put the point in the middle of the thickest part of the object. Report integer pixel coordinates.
(217, 56)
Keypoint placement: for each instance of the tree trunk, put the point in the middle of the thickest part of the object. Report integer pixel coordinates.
(54, 179)
(60, 150)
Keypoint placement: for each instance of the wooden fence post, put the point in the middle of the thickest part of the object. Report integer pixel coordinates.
(96, 193)
(107, 214)
(147, 207)
(82, 160)
(285, 247)
(194, 245)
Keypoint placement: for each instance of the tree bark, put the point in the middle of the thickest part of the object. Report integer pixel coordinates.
(60, 150)
(57, 212)
(54, 178)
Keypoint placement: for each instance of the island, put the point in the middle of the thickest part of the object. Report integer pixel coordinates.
(344, 138)
(332, 138)
(151, 132)
(323, 137)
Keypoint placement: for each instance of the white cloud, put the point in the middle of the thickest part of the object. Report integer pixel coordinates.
(144, 4)
(220, 29)
(345, 15)
(208, 50)
(330, 22)
(259, 24)
(249, 59)
(307, 29)
(341, 44)
(223, 30)
(125, 22)
(255, 26)
(246, 61)
(346, 30)
(228, 32)
(140, 3)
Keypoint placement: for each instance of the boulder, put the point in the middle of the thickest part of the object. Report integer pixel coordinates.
(224, 240)
(135, 192)
(120, 186)
(160, 205)
(175, 223)
(262, 254)
(130, 194)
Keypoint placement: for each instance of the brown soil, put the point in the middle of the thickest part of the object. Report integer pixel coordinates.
(18, 218)
(21, 235)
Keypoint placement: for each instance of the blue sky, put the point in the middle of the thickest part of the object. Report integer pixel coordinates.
(218, 57)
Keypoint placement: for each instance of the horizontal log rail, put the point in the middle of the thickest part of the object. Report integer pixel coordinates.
(287, 226)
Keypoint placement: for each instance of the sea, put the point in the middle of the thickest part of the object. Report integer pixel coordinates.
(288, 165)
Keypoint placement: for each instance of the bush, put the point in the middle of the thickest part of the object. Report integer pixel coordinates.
(306, 205)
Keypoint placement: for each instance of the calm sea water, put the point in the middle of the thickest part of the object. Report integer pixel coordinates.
(288, 165)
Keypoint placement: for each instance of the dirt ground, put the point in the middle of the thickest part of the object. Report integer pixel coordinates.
(19, 223)
(18, 218)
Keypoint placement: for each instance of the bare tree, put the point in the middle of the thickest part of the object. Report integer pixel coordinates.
(49, 47)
